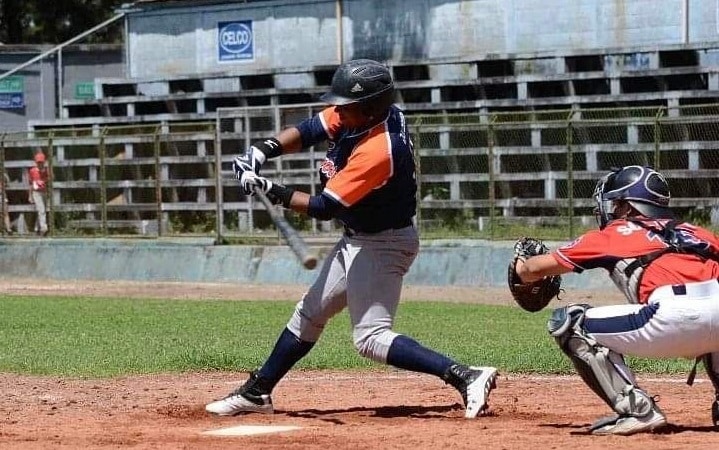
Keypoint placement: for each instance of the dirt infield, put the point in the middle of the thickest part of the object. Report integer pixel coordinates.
(228, 291)
(335, 410)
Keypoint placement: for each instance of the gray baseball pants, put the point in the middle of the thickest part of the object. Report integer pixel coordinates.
(364, 273)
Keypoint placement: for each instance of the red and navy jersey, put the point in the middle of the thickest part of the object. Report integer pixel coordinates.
(369, 172)
(622, 239)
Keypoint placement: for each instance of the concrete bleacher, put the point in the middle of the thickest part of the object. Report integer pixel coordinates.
(668, 76)
(546, 92)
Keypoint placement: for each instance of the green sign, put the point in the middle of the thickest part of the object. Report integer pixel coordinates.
(84, 90)
(12, 85)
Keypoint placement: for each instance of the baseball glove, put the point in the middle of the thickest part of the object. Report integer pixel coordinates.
(536, 295)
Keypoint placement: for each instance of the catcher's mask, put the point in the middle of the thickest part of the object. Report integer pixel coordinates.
(645, 189)
(365, 82)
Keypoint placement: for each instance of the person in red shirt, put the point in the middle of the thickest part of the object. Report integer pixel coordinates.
(668, 271)
(37, 194)
(368, 184)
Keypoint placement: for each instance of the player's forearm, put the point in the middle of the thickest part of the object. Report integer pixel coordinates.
(290, 139)
(538, 267)
(300, 202)
(317, 206)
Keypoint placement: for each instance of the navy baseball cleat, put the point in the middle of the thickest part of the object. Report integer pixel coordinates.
(475, 384)
(246, 398)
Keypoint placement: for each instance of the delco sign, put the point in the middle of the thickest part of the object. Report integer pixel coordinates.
(235, 41)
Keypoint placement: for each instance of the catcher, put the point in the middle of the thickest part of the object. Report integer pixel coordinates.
(668, 271)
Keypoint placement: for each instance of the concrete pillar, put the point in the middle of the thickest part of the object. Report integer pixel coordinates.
(436, 95)
(693, 159)
(444, 140)
(632, 134)
(673, 107)
(522, 91)
(713, 82)
(243, 221)
(454, 190)
(550, 190)
(591, 156)
(536, 137)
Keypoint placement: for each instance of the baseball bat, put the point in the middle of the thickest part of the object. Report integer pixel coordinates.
(296, 243)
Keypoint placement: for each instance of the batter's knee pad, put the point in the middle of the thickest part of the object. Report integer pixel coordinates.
(374, 343)
(306, 328)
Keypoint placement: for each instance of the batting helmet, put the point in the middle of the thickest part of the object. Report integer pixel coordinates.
(39, 157)
(645, 189)
(359, 81)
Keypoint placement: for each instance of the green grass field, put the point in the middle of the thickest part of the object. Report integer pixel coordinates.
(96, 337)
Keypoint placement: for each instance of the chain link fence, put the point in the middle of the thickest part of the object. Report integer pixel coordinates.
(480, 175)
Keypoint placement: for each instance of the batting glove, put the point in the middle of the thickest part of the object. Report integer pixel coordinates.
(250, 181)
(258, 153)
(278, 194)
(241, 165)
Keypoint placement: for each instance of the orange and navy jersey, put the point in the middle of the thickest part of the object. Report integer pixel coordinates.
(369, 172)
(623, 239)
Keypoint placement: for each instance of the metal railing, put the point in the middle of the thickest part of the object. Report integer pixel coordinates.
(58, 50)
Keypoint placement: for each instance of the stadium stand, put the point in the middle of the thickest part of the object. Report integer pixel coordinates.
(534, 96)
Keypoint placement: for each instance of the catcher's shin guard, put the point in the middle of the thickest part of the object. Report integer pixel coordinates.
(711, 364)
(602, 369)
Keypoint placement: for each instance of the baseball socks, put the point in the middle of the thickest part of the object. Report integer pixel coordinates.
(473, 383)
(254, 394)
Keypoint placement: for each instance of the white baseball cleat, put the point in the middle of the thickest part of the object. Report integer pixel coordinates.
(480, 382)
(239, 402)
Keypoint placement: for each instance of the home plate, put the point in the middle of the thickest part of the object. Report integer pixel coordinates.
(250, 430)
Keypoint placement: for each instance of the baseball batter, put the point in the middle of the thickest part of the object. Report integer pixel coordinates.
(668, 271)
(368, 184)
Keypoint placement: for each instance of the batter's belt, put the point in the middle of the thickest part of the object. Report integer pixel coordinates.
(349, 232)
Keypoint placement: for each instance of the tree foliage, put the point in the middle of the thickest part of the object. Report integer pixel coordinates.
(55, 21)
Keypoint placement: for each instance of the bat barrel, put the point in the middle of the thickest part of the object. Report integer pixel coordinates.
(294, 240)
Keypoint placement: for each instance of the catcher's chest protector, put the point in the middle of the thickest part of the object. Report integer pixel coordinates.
(627, 281)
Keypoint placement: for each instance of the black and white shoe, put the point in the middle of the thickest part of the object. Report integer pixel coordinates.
(246, 398)
(475, 384)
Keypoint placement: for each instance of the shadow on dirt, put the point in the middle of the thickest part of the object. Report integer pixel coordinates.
(669, 429)
(415, 412)
(673, 429)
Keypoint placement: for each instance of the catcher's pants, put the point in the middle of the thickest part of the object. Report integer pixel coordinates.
(679, 321)
(364, 273)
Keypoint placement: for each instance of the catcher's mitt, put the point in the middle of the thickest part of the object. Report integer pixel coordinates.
(536, 295)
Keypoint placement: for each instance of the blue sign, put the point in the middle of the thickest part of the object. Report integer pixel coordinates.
(12, 100)
(235, 41)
